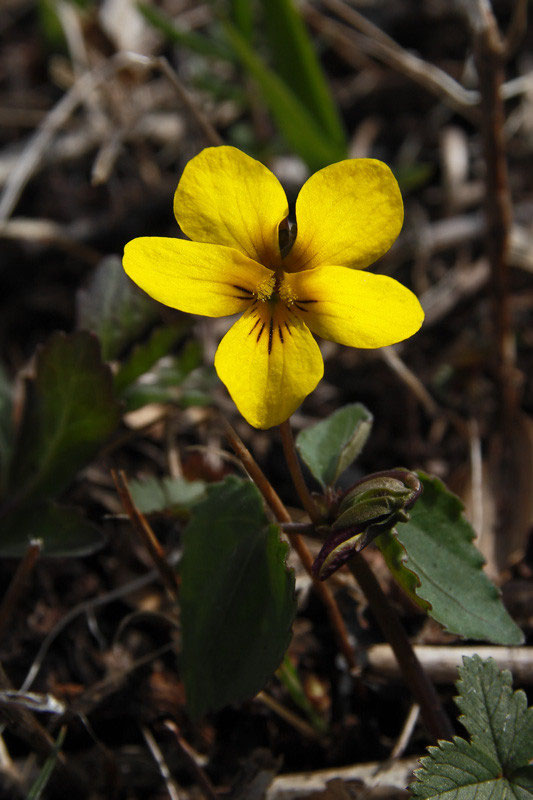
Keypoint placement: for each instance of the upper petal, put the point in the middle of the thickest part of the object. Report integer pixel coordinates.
(269, 362)
(348, 214)
(355, 308)
(198, 278)
(226, 197)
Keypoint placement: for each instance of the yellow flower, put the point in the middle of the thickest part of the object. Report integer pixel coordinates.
(231, 207)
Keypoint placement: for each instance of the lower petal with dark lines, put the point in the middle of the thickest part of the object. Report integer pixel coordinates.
(269, 362)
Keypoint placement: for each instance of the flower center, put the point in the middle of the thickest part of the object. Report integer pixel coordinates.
(275, 289)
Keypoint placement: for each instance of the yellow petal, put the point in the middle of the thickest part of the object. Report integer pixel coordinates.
(226, 197)
(355, 308)
(269, 362)
(197, 278)
(348, 214)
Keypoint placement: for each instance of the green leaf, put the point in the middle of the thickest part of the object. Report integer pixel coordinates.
(70, 411)
(330, 446)
(300, 129)
(495, 763)
(440, 552)
(496, 718)
(287, 675)
(237, 598)
(63, 530)
(159, 494)
(146, 354)
(113, 308)
(242, 14)
(171, 379)
(195, 42)
(6, 428)
(395, 557)
(297, 64)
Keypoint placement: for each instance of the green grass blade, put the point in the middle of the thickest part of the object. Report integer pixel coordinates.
(203, 45)
(296, 61)
(300, 129)
(242, 14)
(39, 785)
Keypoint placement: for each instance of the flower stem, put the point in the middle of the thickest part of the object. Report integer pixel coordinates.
(300, 485)
(420, 685)
(275, 503)
(422, 689)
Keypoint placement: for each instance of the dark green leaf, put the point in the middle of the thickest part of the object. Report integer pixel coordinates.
(296, 63)
(113, 308)
(494, 765)
(145, 355)
(300, 129)
(237, 598)
(159, 494)
(439, 550)
(63, 530)
(70, 411)
(330, 446)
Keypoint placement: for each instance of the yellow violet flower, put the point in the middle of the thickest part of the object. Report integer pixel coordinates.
(231, 207)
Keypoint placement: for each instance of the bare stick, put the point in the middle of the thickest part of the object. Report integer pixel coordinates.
(282, 515)
(407, 731)
(85, 607)
(159, 759)
(187, 752)
(373, 41)
(34, 151)
(147, 536)
(489, 55)
(407, 376)
(441, 662)
(290, 717)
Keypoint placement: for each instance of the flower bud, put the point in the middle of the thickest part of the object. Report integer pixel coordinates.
(374, 505)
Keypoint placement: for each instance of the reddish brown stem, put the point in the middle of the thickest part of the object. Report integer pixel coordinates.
(291, 457)
(282, 515)
(422, 689)
(146, 534)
